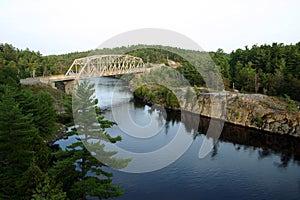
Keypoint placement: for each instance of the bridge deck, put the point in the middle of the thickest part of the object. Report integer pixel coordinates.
(47, 79)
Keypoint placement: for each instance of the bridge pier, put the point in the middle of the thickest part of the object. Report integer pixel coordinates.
(52, 84)
(69, 86)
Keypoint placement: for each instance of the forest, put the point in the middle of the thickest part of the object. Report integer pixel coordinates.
(31, 167)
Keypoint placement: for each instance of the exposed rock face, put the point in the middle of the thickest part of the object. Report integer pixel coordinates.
(249, 110)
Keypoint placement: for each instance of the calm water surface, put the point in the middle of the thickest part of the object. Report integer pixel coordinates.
(244, 164)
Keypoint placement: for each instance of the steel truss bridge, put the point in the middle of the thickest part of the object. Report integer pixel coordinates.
(105, 65)
(91, 66)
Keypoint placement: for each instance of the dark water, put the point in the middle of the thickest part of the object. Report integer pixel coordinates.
(244, 164)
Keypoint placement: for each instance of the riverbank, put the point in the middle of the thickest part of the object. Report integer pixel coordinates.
(255, 111)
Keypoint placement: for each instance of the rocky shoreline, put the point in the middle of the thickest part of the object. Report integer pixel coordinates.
(255, 111)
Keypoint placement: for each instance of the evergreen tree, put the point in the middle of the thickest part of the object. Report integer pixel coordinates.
(16, 136)
(41, 106)
(20, 145)
(77, 168)
(48, 189)
(29, 180)
(9, 76)
(45, 115)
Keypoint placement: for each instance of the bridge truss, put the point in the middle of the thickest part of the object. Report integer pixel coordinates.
(105, 65)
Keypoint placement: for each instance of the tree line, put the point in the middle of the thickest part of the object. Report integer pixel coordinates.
(268, 69)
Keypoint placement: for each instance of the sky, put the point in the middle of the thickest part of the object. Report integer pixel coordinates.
(62, 26)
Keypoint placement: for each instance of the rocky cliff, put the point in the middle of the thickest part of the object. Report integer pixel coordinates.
(249, 110)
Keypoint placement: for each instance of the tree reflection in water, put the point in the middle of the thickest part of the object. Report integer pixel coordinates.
(266, 144)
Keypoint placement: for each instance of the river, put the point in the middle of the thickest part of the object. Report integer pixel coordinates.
(244, 163)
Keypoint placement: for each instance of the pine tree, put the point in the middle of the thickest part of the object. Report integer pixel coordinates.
(16, 135)
(45, 115)
(47, 189)
(20, 145)
(29, 180)
(41, 120)
(77, 168)
(41, 106)
(9, 76)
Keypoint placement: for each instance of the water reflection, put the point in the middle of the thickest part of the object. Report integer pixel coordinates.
(215, 150)
(268, 144)
(287, 147)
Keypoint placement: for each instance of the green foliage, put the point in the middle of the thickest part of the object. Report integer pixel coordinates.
(221, 60)
(78, 168)
(156, 87)
(269, 69)
(29, 180)
(41, 106)
(159, 95)
(191, 74)
(45, 115)
(196, 89)
(47, 189)
(66, 116)
(9, 76)
(259, 121)
(16, 133)
(20, 145)
(23, 152)
(152, 55)
(171, 100)
(291, 105)
(246, 79)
